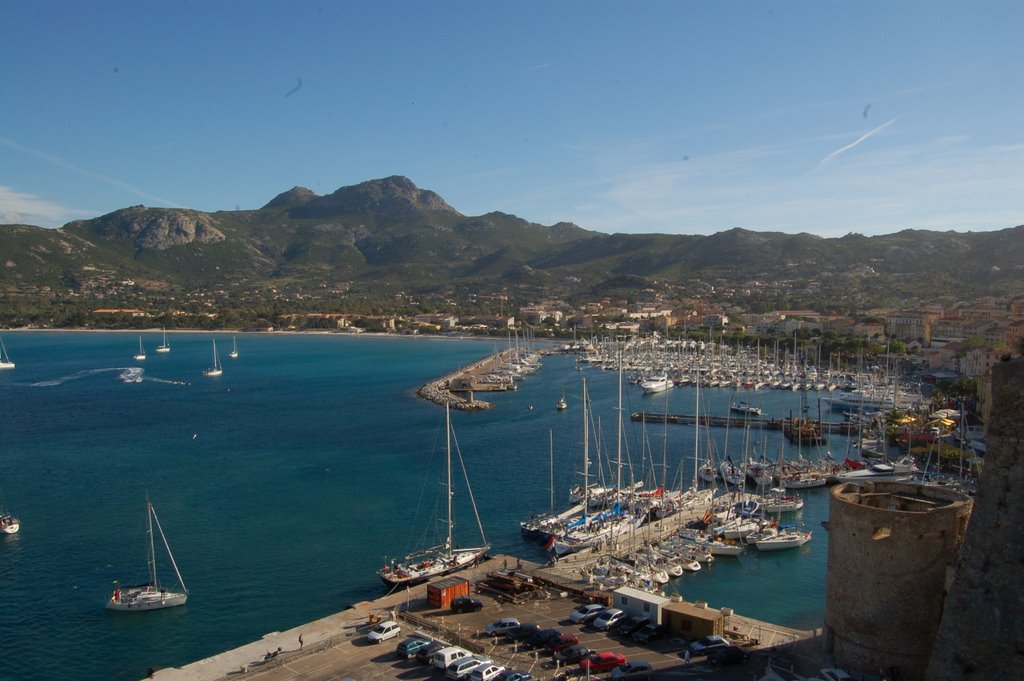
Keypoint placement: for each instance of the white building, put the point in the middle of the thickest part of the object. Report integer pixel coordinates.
(635, 602)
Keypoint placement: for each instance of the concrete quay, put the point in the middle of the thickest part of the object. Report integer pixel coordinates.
(458, 388)
(334, 648)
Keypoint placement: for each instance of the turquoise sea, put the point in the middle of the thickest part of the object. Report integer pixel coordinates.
(283, 485)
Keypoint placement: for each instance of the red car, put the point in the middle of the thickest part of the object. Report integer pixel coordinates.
(603, 661)
(563, 641)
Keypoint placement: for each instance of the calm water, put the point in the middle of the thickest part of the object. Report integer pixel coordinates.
(283, 484)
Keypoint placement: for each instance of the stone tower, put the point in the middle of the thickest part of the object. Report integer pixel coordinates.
(892, 547)
(982, 631)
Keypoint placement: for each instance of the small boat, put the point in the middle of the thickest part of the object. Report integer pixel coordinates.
(216, 369)
(895, 471)
(785, 539)
(561, 404)
(5, 360)
(149, 596)
(141, 354)
(655, 384)
(234, 348)
(8, 523)
(164, 347)
(742, 407)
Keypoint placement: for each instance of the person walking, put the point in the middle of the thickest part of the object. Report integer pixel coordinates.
(686, 656)
(300, 641)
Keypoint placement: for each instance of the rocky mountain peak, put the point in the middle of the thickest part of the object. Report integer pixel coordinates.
(296, 196)
(394, 196)
(159, 228)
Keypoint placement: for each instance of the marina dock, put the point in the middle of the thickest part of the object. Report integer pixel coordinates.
(837, 427)
(335, 648)
(458, 389)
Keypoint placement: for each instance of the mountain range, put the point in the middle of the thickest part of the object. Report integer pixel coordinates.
(390, 234)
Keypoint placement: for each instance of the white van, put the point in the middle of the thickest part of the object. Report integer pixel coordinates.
(446, 656)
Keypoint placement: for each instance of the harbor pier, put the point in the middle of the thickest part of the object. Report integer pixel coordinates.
(458, 389)
(836, 427)
(335, 647)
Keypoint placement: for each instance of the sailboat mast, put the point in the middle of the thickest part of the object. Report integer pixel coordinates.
(551, 468)
(696, 430)
(586, 451)
(448, 470)
(618, 432)
(152, 546)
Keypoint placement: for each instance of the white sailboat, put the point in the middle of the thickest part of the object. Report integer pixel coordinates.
(8, 523)
(215, 369)
(234, 348)
(149, 596)
(788, 538)
(164, 347)
(426, 564)
(141, 354)
(5, 360)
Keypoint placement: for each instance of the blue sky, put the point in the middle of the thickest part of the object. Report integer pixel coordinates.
(671, 117)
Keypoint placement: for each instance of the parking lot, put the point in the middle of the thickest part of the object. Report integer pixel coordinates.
(337, 647)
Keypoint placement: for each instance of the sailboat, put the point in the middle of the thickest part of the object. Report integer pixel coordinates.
(5, 360)
(216, 369)
(8, 523)
(428, 563)
(561, 404)
(149, 596)
(141, 354)
(234, 348)
(164, 347)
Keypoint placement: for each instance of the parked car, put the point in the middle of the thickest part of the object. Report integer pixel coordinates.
(467, 604)
(383, 631)
(461, 669)
(633, 671)
(649, 632)
(486, 672)
(562, 642)
(540, 638)
(607, 618)
(515, 675)
(522, 631)
(728, 655)
(426, 655)
(627, 625)
(832, 674)
(500, 627)
(412, 645)
(708, 644)
(572, 654)
(585, 613)
(602, 661)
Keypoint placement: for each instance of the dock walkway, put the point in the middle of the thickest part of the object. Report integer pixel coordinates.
(458, 389)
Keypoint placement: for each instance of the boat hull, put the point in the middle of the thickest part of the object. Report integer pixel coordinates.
(141, 600)
(401, 577)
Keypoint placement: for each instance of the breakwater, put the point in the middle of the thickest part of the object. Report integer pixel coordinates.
(458, 389)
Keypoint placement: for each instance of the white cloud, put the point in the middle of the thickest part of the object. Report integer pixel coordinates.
(20, 208)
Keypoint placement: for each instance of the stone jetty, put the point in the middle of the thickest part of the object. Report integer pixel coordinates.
(458, 389)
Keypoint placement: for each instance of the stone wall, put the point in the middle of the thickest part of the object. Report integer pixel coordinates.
(981, 635)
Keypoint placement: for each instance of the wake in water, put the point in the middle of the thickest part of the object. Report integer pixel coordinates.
(124, 374)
